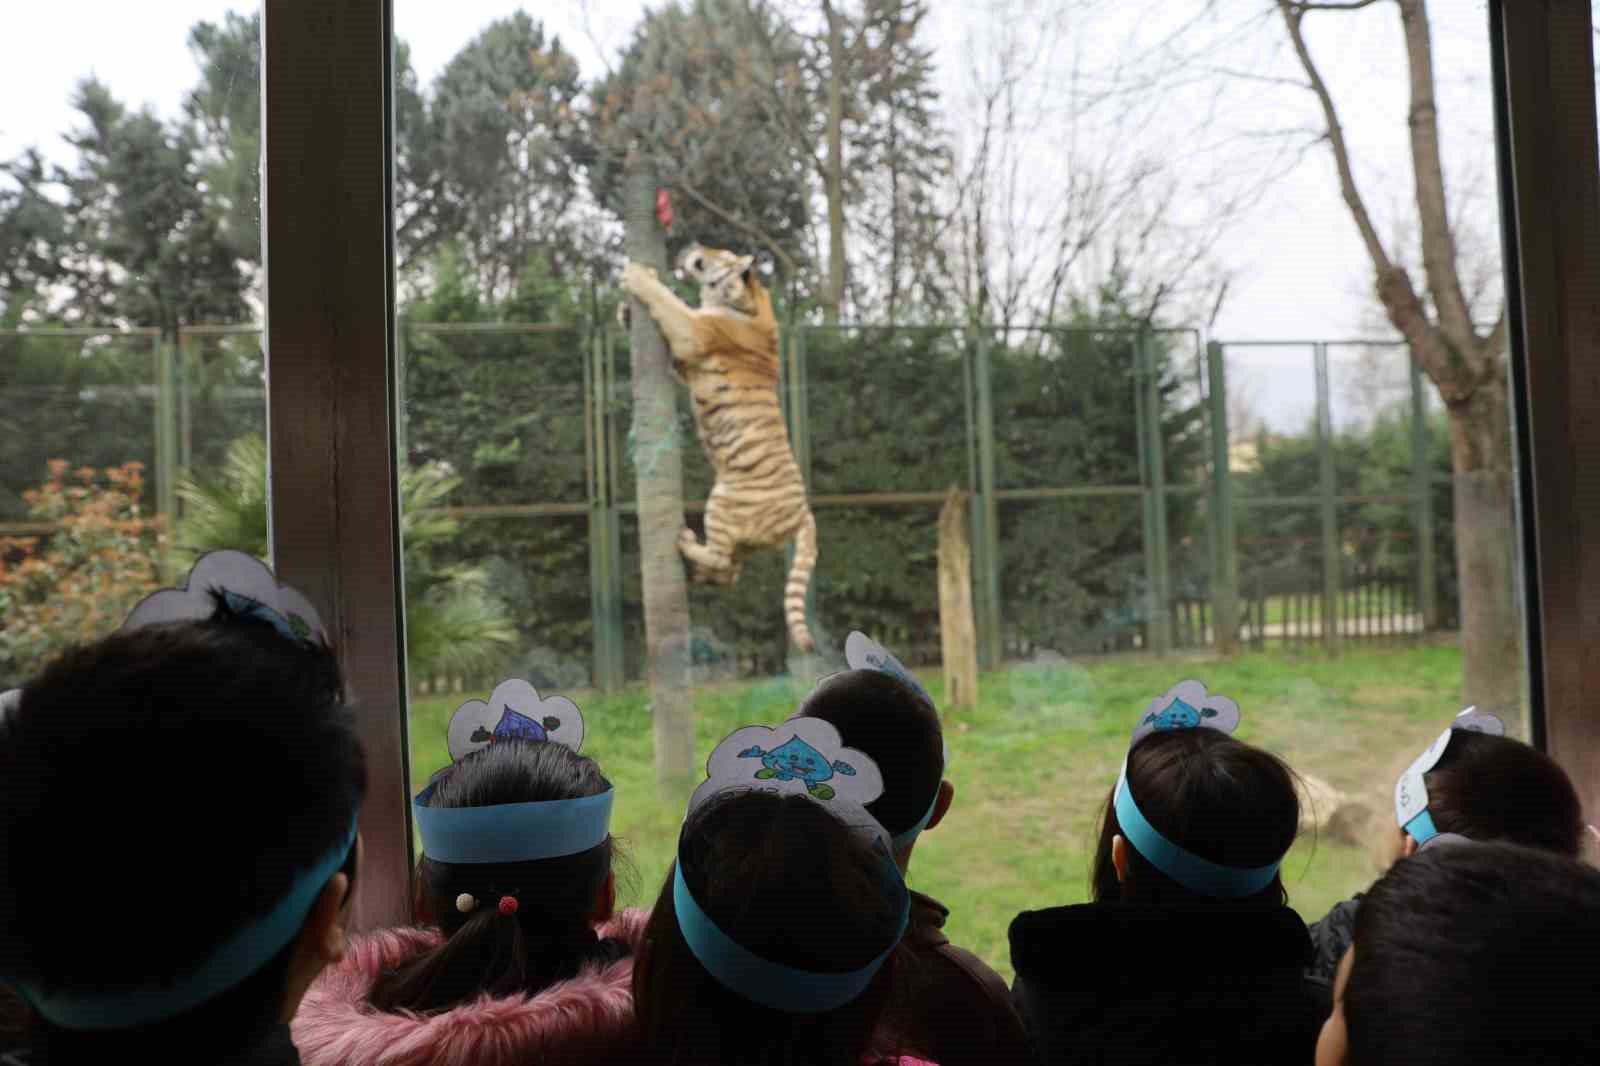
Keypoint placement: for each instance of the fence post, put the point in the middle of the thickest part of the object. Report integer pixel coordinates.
(1328, 501)
(185, 414)
(792, 401)
(991, 647)
(1152, 474)
(611, 474)
(1225, 572)
(166, 431)
(1422, 501)
(595, 468)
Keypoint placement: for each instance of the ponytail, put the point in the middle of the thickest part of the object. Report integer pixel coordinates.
(496, 950)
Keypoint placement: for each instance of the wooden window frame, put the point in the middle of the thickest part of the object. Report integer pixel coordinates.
(330, 339)
(1550, 209)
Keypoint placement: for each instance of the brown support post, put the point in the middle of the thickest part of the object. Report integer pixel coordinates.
(958, 635)
(1550, 210)
(335, 531)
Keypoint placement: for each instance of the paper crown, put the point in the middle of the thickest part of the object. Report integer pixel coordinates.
(1411, 790)
(245, 584)
(861, 652)
(513, 711)
(511, 832)
(800, 757)
(1187, 705)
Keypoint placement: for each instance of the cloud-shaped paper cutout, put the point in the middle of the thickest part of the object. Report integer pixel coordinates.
(1411, 790)
(1473, 720)
(861, 652)
(1186, 705)
(249, 586)
(803, 756)
(513, 710)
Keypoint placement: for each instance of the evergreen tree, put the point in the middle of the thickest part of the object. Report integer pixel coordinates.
(707, 93)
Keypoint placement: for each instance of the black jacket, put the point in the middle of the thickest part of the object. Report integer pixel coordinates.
(1331, 936)
(1123, 984)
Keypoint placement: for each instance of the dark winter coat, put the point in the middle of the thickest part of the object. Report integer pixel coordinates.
(1129, 985)
(1331, 936)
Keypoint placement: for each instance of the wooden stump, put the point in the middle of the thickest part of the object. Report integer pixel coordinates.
(958, 636)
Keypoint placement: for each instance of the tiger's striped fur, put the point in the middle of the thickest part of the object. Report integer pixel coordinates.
(726, 352)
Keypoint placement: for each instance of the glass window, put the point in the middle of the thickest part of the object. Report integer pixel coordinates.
(1218, 395)
(132, 397)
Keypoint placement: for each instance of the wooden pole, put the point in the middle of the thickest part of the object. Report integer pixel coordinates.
(658, 464)
(1225, 575)
(958, 636)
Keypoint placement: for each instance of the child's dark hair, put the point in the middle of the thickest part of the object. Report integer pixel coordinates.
(791, 883)
(1486, 787)
(1472, 954)
(895, 726)
(159, 789)
(551, 935)
(1212, 795)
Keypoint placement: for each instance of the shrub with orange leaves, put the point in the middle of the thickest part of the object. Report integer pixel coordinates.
(79, 582)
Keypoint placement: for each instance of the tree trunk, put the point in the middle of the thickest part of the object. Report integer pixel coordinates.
(659, 467)
(1469, 370)
(833, 177)
(958, 636)
(1485, 532)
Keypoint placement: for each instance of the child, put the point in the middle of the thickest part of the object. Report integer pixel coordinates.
(1188, 952)
(520, 959)
(178, 809)
(773, 939)
(1471, 955)
(948, 1002)
(1483, 786)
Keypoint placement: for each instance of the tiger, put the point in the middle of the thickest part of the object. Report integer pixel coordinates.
(726, 352)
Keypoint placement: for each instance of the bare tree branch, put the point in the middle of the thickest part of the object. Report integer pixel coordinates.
(1438, 244)
(734, 220)
(1292, 13)
(1333, 5)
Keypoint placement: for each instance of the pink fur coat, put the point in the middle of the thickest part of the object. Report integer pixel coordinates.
(571, 1021)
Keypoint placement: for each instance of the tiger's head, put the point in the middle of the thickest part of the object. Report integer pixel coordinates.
(726, 280)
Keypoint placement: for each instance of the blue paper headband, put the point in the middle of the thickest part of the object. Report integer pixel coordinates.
(1166, 714)
(772, 984)
(512, 832)
(235, 959)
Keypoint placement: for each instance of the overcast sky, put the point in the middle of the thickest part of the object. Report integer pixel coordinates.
(1299, 269)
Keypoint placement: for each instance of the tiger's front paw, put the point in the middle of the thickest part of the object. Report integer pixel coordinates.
(636, 277)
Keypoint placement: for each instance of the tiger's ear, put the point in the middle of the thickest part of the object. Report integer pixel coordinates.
(745, 262)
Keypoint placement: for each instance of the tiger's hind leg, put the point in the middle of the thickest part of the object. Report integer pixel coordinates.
(713, 562)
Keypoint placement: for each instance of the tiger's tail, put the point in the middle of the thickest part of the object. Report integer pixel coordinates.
(794, 592)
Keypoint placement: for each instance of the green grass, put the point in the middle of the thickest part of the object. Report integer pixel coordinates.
(1033, 763)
